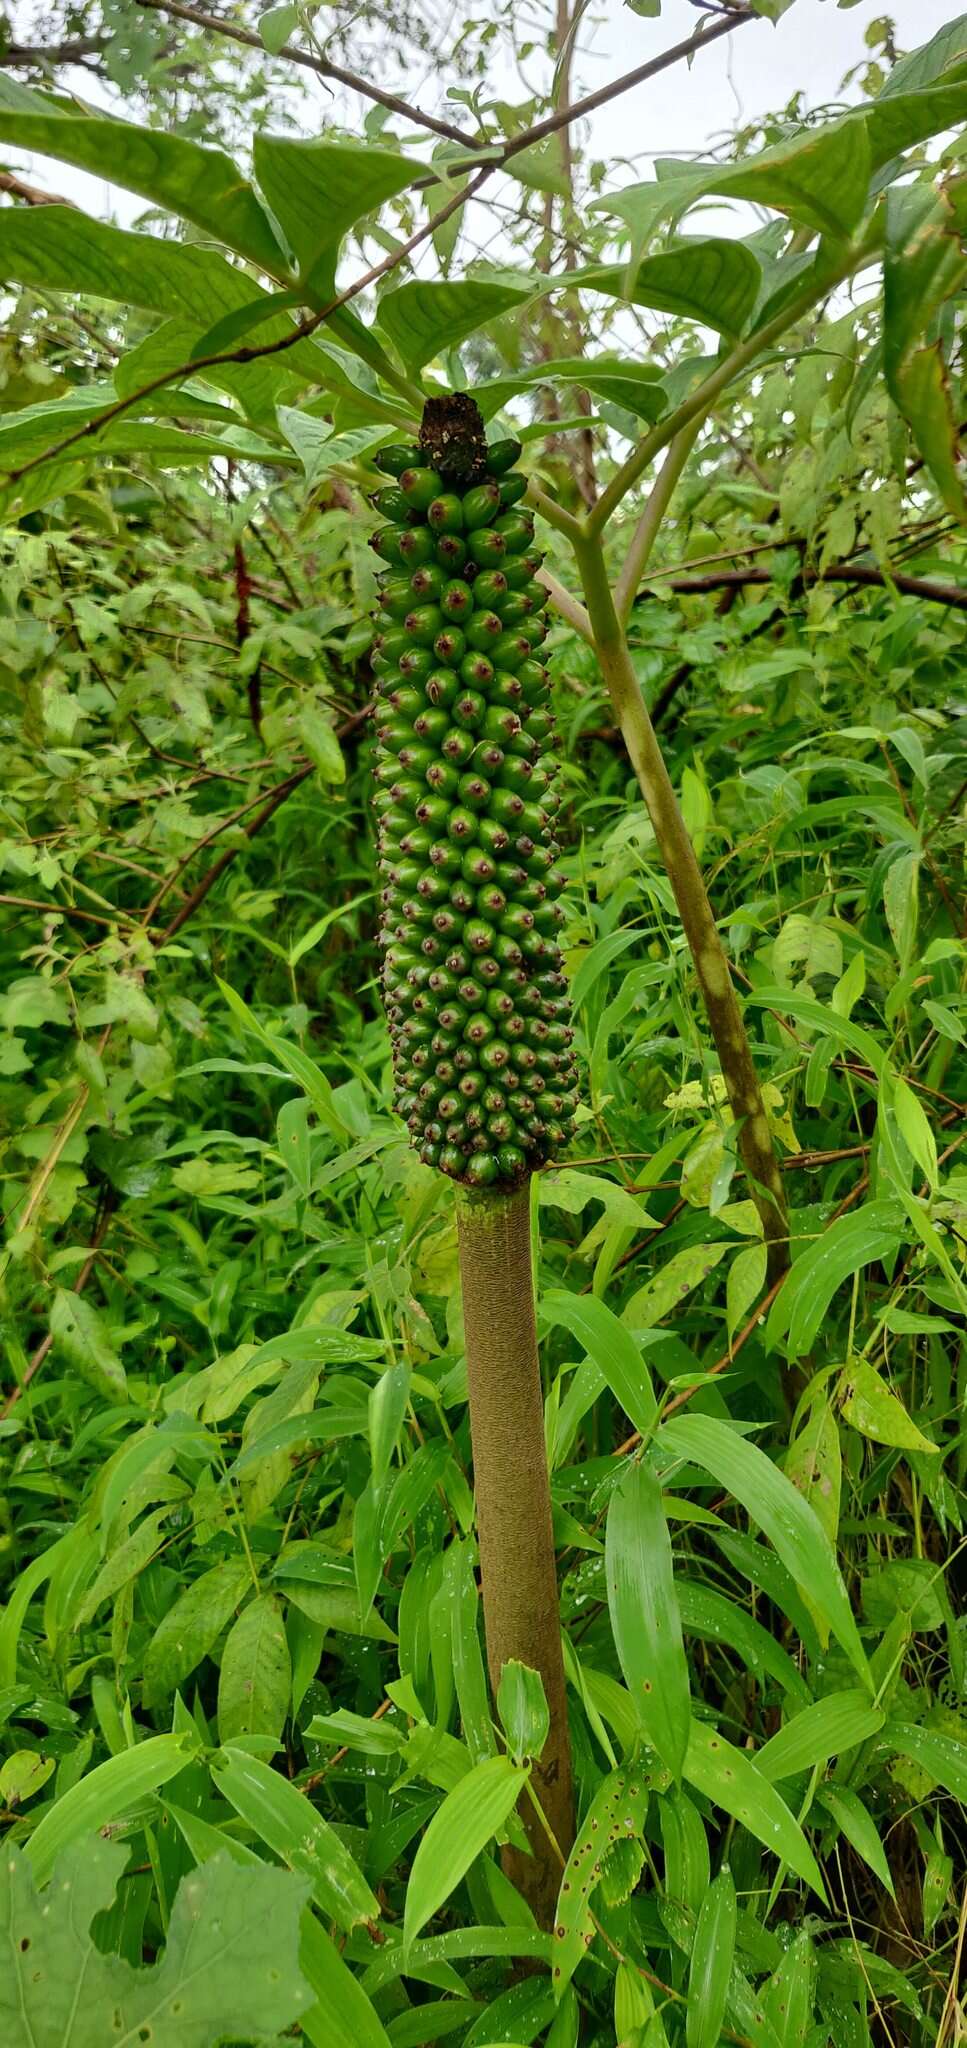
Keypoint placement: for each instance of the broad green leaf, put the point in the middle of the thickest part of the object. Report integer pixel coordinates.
(523, 1709)
(388, 1403)
(788, 1996)
(729, 1777)
(711, 1963)
(847, 1811)
(867, 1235)
(60, 249)
(941, 1755)
(714, 281)
(617, 1813)
(946, 52)
(104, 1795)
(256, 1674)
(744, 1283)
(192, 1626)
(925, 265)
(422, 319)
(343, 2016)
(318, 190)
(320, 450)
(459, 1591)
(772, 1502)
(669, 1287)
(276, 25)
(869, 1406)
(645, 1620)
(230, 1968)
(635, 386)
(80, 1339)
(200, 184)
(819, 178)
(468, 1819)
(714, 1618)
(815, 1466)
(318, 736)
(826, 1729)
(123, 1563)
(287, 1822)
(612, 1348)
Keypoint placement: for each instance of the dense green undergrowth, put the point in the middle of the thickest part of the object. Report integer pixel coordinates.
(247, 1745)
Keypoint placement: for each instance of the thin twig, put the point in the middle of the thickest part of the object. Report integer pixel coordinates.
(861, 574)
(200, 19)
(30, 194)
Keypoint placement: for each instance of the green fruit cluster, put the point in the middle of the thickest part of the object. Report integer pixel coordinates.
(475, 995)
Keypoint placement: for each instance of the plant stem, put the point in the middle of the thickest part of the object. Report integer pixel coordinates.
(755, 1144)
(646, 531)
(520, 1595)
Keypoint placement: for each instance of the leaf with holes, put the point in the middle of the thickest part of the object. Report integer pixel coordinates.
(616, 1814)
(230, 1969)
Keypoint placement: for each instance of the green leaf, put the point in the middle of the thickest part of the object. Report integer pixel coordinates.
(123, 1564)
(711, 1963)
(104, 1795)
(286, 1821)
(729, 1777)
(870, 1234)
(669, 1287)
(925, 265)
(941, 1755)
(869, 1406)
(846, 1809)
(230, 1968)
(616, 1813)
(635, 386)
(256, 1675)
(714, 1618)
(62, 250)
(819, 179)
(276, 25)
(612, 1348)
(468, 1819)
(318, 736)
(714, 281)
(319, 449)
(319, 190)
(523, 1709)
(645, 1619)
(191, 1627)
(815, 1466)
(343, 2016)
(772, 1502)
(202, 185)
(827, 1728)
(79, 1338)
(423, 319)
(459, 1590)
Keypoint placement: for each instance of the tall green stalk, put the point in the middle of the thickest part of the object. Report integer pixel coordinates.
(755, 1144)
(518, 1573)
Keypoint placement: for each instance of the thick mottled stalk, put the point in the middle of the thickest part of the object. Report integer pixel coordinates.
(520, 1596)
(755, 1144)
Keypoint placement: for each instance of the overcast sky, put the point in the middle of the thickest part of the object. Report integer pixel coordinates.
(752, 72)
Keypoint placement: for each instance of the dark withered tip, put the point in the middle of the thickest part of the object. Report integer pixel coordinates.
(453, 439)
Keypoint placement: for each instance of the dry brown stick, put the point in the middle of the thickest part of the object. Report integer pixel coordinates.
(736, 579)
(30, 194)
